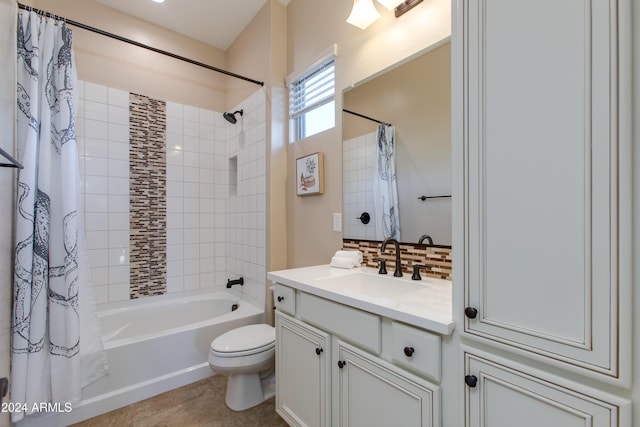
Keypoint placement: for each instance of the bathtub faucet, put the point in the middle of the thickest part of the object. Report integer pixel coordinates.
(239, 281)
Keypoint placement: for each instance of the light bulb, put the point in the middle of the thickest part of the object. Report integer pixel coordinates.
(363, 14)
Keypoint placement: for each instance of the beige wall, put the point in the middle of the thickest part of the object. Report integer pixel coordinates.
(312, 27)
(119, 65)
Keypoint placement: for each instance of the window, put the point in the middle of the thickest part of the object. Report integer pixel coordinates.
(312, 101)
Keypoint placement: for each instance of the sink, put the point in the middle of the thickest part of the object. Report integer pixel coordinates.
(375, 285)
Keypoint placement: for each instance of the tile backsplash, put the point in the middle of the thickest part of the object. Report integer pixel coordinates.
(436, 258)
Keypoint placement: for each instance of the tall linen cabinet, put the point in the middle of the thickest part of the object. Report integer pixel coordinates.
(542, 241)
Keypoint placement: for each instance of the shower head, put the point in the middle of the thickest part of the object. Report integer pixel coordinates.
(231, 117)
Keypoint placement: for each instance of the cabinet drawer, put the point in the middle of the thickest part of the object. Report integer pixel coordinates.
(417, 350)
(354, 325)
(284, 298)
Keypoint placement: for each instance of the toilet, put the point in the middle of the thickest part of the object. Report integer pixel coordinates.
(247, 356)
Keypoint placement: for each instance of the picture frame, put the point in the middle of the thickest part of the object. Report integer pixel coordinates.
(310, 175)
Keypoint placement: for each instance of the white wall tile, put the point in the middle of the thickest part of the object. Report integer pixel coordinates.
(96, 129)
(191, 113)
(119, 115)
(118, 133)
(118, 221)
(95, 111)
(175, 110)
(96, 203)
(96, 166)
(119, 186)
(119, 168)
(95, 92)
(119, 239)
(118, 203)
(118, 98)
(94, 147)
(119, 292)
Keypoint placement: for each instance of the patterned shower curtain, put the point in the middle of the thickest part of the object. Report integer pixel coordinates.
(385, 190)
(56, 347)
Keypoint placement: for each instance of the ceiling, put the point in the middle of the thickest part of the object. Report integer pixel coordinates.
(215, 22)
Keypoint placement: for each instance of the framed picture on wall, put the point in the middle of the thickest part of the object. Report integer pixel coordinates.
(310, 175)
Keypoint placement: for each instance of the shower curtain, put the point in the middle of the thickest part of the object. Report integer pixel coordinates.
(385, 190)
(56, 347)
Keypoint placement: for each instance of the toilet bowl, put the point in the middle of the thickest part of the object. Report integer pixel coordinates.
(247, 356)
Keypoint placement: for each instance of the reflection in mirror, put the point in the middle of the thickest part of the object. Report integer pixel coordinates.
(414, 97)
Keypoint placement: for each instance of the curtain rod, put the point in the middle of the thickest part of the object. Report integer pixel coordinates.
(366, 117)
(138, 44)
(13, 163)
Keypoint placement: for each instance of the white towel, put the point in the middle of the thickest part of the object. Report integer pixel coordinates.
(342, 262)
(355, 255)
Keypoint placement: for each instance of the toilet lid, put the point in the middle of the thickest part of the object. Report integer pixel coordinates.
(245, 338)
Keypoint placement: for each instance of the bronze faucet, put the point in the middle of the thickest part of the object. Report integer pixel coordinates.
(398, 271)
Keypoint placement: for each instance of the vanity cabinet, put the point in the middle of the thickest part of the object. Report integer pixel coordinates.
(337, 366)
(371, 392)
(501, 396)
(302, 367)
(542, 245)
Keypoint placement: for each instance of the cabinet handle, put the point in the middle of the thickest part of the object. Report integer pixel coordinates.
(319, 350)
(408, 351)
(471, 380)
(280, 298)
(471, 312)
(341, 364)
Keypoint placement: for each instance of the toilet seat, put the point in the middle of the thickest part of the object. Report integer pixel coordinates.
(244, 341)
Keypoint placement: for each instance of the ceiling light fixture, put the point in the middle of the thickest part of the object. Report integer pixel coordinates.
(390, 4)
(363, 14)
(406, 6)
(158, 1)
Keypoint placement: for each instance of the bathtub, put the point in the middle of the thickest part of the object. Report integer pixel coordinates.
(157, 344)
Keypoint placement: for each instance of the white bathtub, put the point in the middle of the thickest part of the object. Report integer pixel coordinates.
(157, 344)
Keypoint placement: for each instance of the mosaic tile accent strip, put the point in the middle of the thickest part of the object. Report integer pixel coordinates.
(437, 259)
(147, 196)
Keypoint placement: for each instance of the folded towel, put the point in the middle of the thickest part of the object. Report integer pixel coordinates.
(342, 262)
(355, 255)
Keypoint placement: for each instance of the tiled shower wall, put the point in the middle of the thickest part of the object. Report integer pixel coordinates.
(214, 230)
(103, 145)
(246, 214)
(358, 156)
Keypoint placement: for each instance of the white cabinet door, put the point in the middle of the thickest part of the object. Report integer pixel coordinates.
(540, 142)
(372, 393)
(503, 397)
(302, 372)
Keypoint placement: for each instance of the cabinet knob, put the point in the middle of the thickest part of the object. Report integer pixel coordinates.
(341, 364)
(319, 350)
(280, 298)
(408, 351)
(471, 380)
(471, 312)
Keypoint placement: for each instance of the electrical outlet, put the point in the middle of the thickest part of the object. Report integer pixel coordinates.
(337, 222)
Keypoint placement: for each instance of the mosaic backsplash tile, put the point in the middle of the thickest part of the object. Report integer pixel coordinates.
(437, 259)
(147, 196)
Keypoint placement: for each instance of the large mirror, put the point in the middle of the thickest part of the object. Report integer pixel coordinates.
(415, 98)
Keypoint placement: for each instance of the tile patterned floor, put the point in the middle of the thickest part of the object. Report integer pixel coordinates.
(195, 405)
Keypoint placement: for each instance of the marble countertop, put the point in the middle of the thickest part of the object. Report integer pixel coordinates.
(424, 303)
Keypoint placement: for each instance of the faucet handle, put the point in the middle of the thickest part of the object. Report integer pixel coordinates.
(416, 271)
(383, 265)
